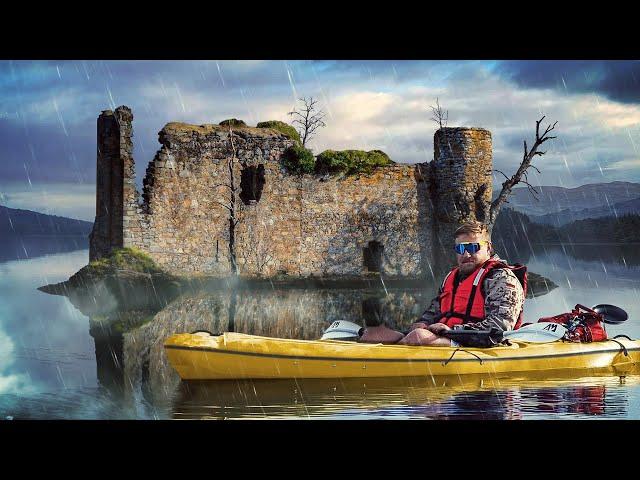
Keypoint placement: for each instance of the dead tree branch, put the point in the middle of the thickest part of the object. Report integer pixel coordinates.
(308, 118)
(439, 116)
(232, 205)
(527, 157)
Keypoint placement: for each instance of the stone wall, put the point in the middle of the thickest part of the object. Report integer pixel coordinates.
(299, 225)
(184, 217)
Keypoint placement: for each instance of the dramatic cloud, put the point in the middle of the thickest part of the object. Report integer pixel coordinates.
(48, 112)
(617, 80)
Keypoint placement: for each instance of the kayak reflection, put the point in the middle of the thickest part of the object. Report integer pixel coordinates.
(475, 398)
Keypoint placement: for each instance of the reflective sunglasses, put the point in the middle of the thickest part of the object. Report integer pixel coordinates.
(471, 247)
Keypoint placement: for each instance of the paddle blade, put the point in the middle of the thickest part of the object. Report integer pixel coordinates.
(611, 314)
(541, 332)
(341, 330)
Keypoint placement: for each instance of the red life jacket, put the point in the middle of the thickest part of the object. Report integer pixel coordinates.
(463, 302)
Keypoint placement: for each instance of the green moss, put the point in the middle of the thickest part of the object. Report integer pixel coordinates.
(125, 259)
(234, 122)
(281, 127)
(298, 159)
(100, 266)
(351, 162)
(127, 324)
(122, 322)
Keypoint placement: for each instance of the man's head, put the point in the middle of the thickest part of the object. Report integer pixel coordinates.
(472, 239)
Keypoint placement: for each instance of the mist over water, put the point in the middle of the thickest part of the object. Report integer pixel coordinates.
(57, 363)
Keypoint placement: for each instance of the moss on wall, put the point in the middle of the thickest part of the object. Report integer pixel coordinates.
(298, 159)
(351, 162)
(281, 127)
(234, 122)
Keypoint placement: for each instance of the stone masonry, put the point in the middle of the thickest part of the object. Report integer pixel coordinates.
(393, 221)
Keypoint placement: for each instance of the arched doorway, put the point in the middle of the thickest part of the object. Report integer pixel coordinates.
(372, 256)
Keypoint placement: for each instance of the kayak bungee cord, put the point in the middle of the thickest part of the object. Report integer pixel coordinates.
(444, 364)
(623, 348)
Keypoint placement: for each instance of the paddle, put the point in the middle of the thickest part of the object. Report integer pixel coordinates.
(611, 314)
(341, 330)
(541, 332)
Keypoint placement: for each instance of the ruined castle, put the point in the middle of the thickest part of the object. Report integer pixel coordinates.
(397, 221)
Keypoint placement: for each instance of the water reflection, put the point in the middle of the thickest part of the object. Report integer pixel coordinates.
(279, 312)
(477, 398)
(618, 257)
(59, 363)
(131, 359)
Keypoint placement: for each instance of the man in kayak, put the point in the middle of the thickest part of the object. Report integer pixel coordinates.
(481, 293)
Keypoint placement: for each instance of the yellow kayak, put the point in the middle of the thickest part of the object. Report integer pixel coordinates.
(201, 356)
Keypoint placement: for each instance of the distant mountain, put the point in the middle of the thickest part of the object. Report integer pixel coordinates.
(25, 234)
(557, 199)
(17, 222)
(567, 216)
(604, 239)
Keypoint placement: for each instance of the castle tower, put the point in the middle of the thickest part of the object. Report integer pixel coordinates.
(115, 181)
(461, 184)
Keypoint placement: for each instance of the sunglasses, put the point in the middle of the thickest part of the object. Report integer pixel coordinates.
(471, 247)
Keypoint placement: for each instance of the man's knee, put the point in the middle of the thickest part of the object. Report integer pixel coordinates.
(419, 336)
(380, 334)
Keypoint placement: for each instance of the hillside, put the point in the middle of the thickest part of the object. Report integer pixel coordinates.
(556, 199)
(17, 222)
(567, 216)
(26, 234)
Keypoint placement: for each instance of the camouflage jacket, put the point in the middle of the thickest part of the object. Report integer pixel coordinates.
(503, 302)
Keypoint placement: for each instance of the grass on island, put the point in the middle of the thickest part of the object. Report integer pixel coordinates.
(125, 259)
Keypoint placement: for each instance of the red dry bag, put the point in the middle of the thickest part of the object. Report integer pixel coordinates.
(582, 324)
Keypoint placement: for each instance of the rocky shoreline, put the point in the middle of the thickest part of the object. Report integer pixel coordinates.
(130, 281)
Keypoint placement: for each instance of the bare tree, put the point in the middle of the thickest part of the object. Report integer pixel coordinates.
(510, 182)
(308, 118)
(439, 116)
(232, 204)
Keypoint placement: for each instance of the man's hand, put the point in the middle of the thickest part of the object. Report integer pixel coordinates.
(437, 328)
(419, 325)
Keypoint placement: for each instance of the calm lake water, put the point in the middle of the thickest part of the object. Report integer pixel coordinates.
(57, 363)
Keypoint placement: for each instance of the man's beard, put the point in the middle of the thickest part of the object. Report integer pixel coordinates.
(467, 267)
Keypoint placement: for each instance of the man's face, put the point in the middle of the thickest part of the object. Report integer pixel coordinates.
(469, 262)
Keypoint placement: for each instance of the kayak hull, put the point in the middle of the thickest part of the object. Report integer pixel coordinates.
(241, 356)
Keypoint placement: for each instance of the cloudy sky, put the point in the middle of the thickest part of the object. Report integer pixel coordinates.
(48, 112)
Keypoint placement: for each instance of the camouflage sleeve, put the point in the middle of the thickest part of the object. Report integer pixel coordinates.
(430, 313)
(503, 301)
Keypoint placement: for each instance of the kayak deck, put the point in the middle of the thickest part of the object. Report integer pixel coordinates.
(239, 356)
